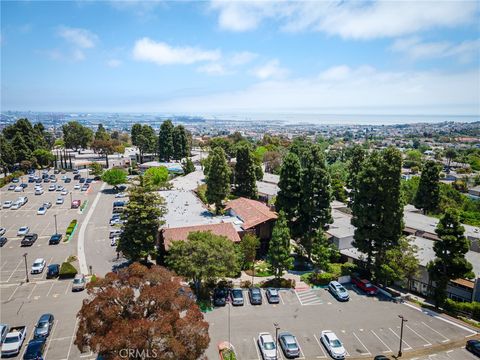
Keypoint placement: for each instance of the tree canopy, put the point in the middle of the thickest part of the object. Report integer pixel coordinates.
(279, 256)
(218, 178)
(165, 141)
(245, 176)
(115, 176)
(76, 135)
(156, 176)
(427, 197)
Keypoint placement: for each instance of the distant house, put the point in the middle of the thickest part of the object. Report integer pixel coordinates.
(474, 192)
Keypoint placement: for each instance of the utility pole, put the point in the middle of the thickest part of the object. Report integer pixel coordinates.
(276, 340)
(26, 269)
(401, 334)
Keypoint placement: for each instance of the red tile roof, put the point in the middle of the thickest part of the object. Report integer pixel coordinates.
(181, 233)
(251, 212)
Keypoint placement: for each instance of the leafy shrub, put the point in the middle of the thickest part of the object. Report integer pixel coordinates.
(321, 279)
(202, 193)
(305, 277)
(278, 283)
(71, 227)
(245, 284)
(228, 354)
(335, 269)
(348, 268)
(93, 279)
(71, 258)
(67, 271)
(472, 309)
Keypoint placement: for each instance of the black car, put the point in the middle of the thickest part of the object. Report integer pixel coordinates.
(76, 177)
(82, 180)
(68, 180)
(53, 270)
(24, 185)
(38, 181)
(35, 349)
(380, 357)
(473, 346)
(89, 180)
(220, 297)
(55, 239)
(31, 179)
(3, 241)
(255, 296)
(119, 203)
(46, 180)
(44, 326)
(97, 178)
(29, 239)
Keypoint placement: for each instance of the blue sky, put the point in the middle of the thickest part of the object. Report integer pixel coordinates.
(387, 57)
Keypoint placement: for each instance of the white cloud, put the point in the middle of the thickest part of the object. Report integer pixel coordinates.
(242, 58)
(271, 69)
(213, 69)
(414, 48)
(354, 19)
(340, 89)
(162, 53)
(113, 63)
(80, 38)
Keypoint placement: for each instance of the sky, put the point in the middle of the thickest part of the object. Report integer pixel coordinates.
(325, 57)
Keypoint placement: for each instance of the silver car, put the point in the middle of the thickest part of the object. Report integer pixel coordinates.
(289, 344)
(236, 295)
(79, 282)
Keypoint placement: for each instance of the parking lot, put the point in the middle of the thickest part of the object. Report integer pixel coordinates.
(22, 303)
(367, 326)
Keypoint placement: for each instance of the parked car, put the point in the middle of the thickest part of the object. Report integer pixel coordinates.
(381, 357)
(273, 296)
(18, 189)
(220, 297)
(473, 346)
(113, 241)
(35, 349)
(24, 185)
(84, 187)
(44, 326)
(38, 266)
(76, 176)
(42, 210)
(23, 231)
(39, 191)
(38, 180)
(56, 171)
(255, 296)
(267, 346)
(115, 233)
(68, 180)
(47, 205)
(236, 296)
(16, 205)
(31, 179)
(53, 270)
(60, 188)
(7, 204)
(120, 195)
(13, 341)
(116, 221)
(29, 240)
(4, 329)
(55, 239)
(23, 200)
(15, 180)
(2, 231)
(81, 180)
(118, 203)
(79, 282)
(76, 187)
(52, 188)
(89, 180)
(11, 187)
(289, 344)
(75, 204)
(64, 192)
(338, 291)
(46, 180)
(333, 344)
(52, 176)
(59, 200)
(3, 241)
(364, 285)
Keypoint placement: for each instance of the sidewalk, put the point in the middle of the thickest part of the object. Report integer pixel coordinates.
(299, 284)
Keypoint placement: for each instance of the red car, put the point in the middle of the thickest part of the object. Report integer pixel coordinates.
(365, 286)
(75, 204)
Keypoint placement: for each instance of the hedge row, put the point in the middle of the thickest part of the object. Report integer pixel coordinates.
(71, 227)
(7, 179)
(335, 270)
(471, 309)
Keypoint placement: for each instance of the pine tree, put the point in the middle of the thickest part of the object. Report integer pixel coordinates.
(7, 155)
(188, 166)
(180, 143)
(245, 178)
(218, 180)
(427, 197)
(322, 250)
(288, 197)
(165, 141)
(279, 256)
(136, 130)
(357, 156)
(315, 212)
(22, 152)
(450, 262)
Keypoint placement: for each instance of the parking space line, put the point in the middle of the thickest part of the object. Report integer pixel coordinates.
(427, 343)
(68, 286)
(51, 287)
(256, 348)
(446, 339)
(408, 346)
(31, 292)
(298, 297)
(44, 275)
(387, 351)
(281, 299)
(14, 291)
(73, 336)
(321, 348)
(27, 341)
(360, 341)
(301, 352)
(5, 263)
(14, 271)
(50, 338)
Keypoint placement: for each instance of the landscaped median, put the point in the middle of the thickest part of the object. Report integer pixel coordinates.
(226, 351)
(83, 206)
(71, 230)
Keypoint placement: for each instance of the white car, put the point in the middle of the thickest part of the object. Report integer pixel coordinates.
(267, 346)
(59, 200)
(38, 191)
(77, 187)
(16, 205)
(18, 189)
(23, 231)
(333, 344)
(60, 188)
(2, 231)
(64, 192)
(38, 266)
(7, 204)
(42, 210)
(120, 195)
(116, 221)
(52, 187)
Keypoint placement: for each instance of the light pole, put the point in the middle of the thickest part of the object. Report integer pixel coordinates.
(229, 343)
(71, 199)
(401, 334)
(56, 230)
(276, 339)
(26, 269)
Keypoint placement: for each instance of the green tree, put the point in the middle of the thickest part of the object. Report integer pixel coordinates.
(357, 156)
(114, 177)
(218, 180)
(315, 212)
(188, 166)
(225, 143)
(289, 195)
(101, 133)
(165, 141)
(146, 141)
(413, 158)
(180, 143)
(96, 169)
(20, 147)
(204, 256)
(249, 246)
(401, 263)
(451, 154)
(279, 256)
(76, 135)
(143, 218)
(156, 177)
(322, 251)
(44, 158)
(135, 132)
(7, 155)
(450, 262)
(33, 136)
(245, 178)
(427, 197)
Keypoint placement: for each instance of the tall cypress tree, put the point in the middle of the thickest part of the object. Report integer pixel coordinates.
(278, 255)
(180, 143)
(165, 141)
(315, 212)
(135, 132)
(218, 180)
(450, 262)
(357, 156)
(289, 195)
(427, 197)
(245, 168)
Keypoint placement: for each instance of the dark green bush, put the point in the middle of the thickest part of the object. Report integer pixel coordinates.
(321, 279)
(348, 268)
(67, 271)
(278, 283)
(470, 309)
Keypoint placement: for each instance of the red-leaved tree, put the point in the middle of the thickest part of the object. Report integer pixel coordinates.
(141, 312)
